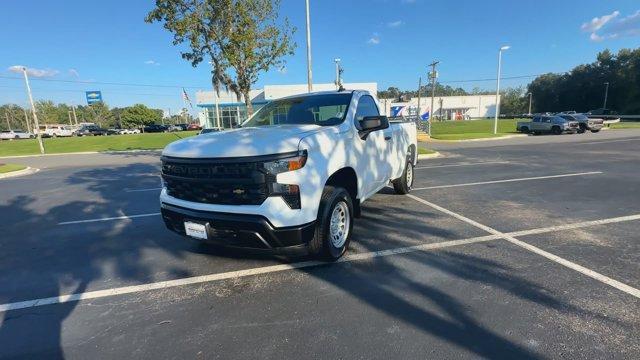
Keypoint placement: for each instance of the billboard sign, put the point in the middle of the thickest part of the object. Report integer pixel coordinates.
(93, 97)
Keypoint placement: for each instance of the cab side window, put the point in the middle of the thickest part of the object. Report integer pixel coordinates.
(366, 107)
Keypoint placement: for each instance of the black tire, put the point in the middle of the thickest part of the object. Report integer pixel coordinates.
(17, 137)
(595, 131)
(556, 130)
(524, 129)
(582, 129)
(404, 183)
(321, 244)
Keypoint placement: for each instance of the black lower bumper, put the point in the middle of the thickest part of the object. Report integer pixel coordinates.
(238, 230)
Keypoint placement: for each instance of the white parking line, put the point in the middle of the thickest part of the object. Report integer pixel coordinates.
(142, 190)
(461, 164)
(124, 217)
(510, 180)
(305, 264)
(509, 237)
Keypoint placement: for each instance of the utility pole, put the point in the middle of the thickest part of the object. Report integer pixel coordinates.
(530, 98)
(69, 115)
(433, 75)
(26, 120)
(606, 95)
(337, 61)
(309, 74)
(419, 94)
(6, 116)
(33, 110)
(75, 118)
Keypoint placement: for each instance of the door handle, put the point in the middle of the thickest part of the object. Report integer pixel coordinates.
(387, 138)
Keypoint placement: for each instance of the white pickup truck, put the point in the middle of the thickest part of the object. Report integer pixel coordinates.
(293, 176)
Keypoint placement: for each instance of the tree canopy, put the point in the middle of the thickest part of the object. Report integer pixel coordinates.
(241, 38)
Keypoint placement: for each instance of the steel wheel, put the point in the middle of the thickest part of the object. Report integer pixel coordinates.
(339, 225)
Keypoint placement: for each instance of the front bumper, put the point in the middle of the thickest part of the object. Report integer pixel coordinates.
(238, 230)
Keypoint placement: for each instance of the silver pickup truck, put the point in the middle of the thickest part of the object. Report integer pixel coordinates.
(547, 124)
(584, 123)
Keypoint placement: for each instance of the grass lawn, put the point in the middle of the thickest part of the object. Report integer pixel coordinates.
(626, 125)
(423, 151)
(471, 129)
(5, 168)
(92, 143)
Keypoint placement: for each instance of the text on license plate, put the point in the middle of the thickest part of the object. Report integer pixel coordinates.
(195, 230)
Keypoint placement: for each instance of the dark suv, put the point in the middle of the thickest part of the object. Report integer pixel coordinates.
(155, 128)
(92, 130)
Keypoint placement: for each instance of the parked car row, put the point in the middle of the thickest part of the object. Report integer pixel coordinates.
(564, 122)
(15, 135)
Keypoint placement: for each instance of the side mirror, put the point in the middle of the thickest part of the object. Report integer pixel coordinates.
(370, 124)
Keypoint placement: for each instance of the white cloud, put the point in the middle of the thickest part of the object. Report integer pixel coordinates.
(374, 39)
(598, 22)
(152, 62)
(394, 24)
(34, 72)
(612, 27)
(74, 73)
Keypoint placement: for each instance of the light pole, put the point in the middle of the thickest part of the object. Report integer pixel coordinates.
(495, 122)
(606, 95)
(337, 61)
(530, 98)
(215, 100)
(309, 75)
(33, 110)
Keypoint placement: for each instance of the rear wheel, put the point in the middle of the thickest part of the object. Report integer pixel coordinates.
(524, 129)
(403, 184)
(595, 131)
(334, 224)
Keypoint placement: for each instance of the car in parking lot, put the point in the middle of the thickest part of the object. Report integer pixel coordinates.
(174, 128)
(194, 126)
(584, 123)
(55, 130)
(547, 124)
(155, 128)
(293, 176)
(92, 130)
(15, 135)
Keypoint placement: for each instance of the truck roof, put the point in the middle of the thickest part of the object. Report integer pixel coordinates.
(331, 92)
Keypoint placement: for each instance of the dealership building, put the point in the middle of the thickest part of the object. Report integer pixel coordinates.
(225, 111)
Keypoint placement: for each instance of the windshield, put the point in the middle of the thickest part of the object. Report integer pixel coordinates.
(323, 110)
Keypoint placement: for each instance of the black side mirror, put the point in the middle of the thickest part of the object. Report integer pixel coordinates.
(370, 124)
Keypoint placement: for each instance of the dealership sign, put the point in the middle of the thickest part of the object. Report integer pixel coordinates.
(93, 97)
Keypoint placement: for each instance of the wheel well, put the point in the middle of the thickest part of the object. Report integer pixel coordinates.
(347, 179)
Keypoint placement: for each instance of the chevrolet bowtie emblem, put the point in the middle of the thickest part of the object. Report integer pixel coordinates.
(238, 191)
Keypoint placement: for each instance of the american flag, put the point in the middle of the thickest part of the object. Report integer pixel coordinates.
(185, 97)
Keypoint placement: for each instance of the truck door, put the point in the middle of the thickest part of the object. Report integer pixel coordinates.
(373, 162)
(536, 123)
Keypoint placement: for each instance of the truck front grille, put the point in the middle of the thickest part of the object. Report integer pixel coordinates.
(215, 181)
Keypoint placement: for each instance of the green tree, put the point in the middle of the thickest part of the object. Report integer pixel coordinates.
(243, 36)
(139, 115)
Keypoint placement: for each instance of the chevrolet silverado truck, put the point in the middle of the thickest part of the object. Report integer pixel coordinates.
(584, 123)
(293, 176)
(547, 124)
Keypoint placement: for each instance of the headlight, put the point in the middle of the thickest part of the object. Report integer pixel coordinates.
(287, 164)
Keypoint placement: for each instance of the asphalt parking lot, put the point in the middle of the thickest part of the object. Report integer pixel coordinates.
(522, 248)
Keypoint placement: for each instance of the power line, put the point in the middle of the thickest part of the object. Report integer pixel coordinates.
(103, 83)
(490, 79)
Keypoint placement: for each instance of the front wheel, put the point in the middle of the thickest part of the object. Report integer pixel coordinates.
(334, 224)
(595, 131)
(404, 183)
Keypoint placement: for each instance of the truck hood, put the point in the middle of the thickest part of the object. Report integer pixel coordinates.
(252, 141)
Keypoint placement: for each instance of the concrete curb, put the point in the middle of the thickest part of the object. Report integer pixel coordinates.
(81, 153)
(482, 139)
(429, 156)
(23, 172)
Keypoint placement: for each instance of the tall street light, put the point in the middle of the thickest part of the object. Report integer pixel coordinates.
(530, 98)
(309, 76)
(606, 95)
(495, 123)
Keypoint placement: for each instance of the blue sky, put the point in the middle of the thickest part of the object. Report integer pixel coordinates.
(385, 41)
